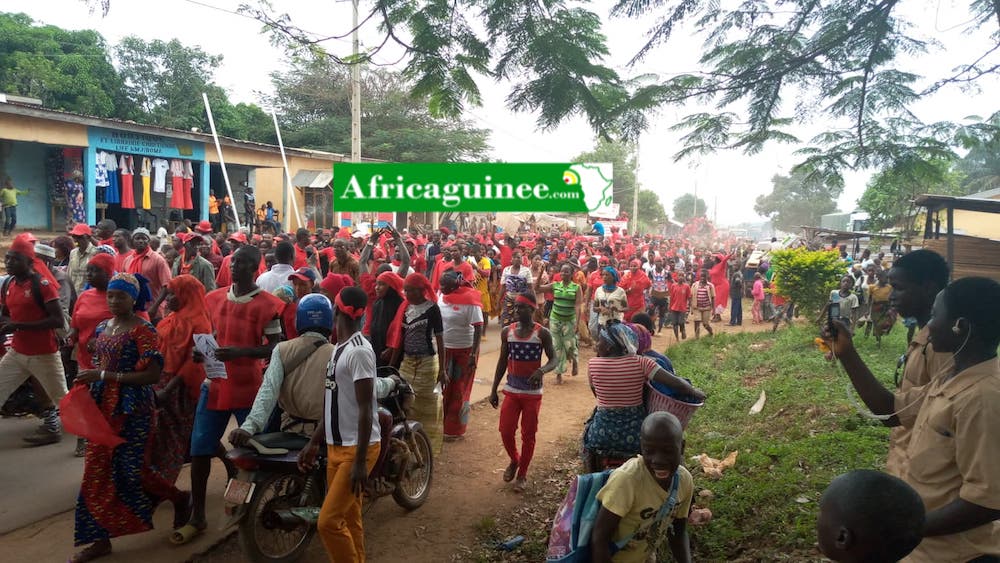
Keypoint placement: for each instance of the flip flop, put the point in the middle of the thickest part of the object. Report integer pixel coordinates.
(185, 534)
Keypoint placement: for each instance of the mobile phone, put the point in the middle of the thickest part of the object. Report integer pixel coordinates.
(832, 312)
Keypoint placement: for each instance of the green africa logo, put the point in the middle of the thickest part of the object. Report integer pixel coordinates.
(473, 187)
(596, 182)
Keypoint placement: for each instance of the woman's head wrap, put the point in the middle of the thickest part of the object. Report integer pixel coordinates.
(285, 293)
(644, 340)
(106, 249)
(392, 280)
(136, 286)
(103, 261)
(613, 272)
(421, 282)
(621, 337)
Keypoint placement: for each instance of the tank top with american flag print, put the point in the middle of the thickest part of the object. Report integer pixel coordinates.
(523, 358)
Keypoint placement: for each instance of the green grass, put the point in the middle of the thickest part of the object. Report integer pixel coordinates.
(807, 434)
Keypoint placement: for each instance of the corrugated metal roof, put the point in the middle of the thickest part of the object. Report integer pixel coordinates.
(312, 178)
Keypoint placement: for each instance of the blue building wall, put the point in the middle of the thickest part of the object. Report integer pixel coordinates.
(26, 167)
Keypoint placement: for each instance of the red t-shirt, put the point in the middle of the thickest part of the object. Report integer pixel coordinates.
(240, 325)
(680, 297)
(20, 302)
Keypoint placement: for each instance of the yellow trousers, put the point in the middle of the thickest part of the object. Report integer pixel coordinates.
(339, 523)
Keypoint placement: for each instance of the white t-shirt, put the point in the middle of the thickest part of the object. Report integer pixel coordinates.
(160, 168)
(458, 321)
(341, 409)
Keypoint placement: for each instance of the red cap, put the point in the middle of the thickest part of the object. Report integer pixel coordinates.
(188, 237)
(204, 227)
(238, 237)
(80, 230)
(304, 274)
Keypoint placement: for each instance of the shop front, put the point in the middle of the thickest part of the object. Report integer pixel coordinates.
(139, 179)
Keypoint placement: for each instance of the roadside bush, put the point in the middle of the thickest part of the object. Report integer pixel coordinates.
(806, 276)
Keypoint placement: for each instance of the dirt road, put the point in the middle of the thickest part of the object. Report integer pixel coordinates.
(468, 489)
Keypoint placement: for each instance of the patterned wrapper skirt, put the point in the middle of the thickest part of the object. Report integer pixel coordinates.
(422, 373)
(612, 431)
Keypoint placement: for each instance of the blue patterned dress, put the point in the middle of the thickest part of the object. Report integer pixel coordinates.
(120, 491)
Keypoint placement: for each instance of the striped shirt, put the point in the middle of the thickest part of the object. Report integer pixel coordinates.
(564, 301)
(524, 356)
(619, 381)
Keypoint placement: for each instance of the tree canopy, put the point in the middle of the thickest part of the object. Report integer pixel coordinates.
(313, 98)
(797, 200)
(764, 67)
(689, 206)
(69, 70)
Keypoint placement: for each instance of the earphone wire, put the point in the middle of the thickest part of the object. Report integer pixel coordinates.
(863, 410)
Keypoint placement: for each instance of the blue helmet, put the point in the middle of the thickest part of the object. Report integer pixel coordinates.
(314, 312)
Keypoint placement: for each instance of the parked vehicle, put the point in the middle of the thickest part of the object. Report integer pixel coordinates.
(276, 506)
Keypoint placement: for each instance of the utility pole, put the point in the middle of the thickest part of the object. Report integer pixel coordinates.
(694, 205)
(355, 92)
(634, 229)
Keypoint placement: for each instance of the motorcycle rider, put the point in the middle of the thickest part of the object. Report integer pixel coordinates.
(351, 430)
(294, 380)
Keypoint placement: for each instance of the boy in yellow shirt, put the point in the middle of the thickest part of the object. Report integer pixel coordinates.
(644, 497)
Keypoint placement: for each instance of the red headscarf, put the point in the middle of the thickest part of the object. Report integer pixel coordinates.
(392, 280)
(177, 330)
(105, 262)
(333, 283)
(24, 243)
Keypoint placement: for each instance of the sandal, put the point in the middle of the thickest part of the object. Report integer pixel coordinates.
(186, 533)
(508, 474)
(91, 552)
(520, 485)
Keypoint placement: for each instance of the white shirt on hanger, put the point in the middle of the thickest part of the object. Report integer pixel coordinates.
(160, 168)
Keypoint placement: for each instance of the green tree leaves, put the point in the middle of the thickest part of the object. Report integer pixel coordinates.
(798, 200)
(313, 98)
(68, 70)
(689, 206)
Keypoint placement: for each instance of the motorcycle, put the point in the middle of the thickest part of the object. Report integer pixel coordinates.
(276, 506)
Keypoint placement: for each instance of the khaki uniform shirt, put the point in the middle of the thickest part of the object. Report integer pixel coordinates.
(922, 364)
(954, 453)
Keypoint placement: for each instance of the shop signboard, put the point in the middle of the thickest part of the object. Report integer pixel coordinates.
(142, 144)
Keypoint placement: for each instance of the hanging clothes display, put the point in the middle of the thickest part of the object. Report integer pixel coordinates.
(111, 193)
(188, 185)
(160, 168)
(101, 175)
(147, 168)
(128, 195)
(177, 184)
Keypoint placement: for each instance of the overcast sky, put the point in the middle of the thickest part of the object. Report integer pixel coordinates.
(731, 179)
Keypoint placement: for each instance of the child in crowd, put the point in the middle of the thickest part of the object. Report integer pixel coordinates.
(870, 517)
(646, 496)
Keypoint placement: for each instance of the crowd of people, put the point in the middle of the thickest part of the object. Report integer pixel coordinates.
(303, 319)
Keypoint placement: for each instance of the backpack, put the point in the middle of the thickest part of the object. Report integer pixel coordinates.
(36, 292)
(573, 524)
